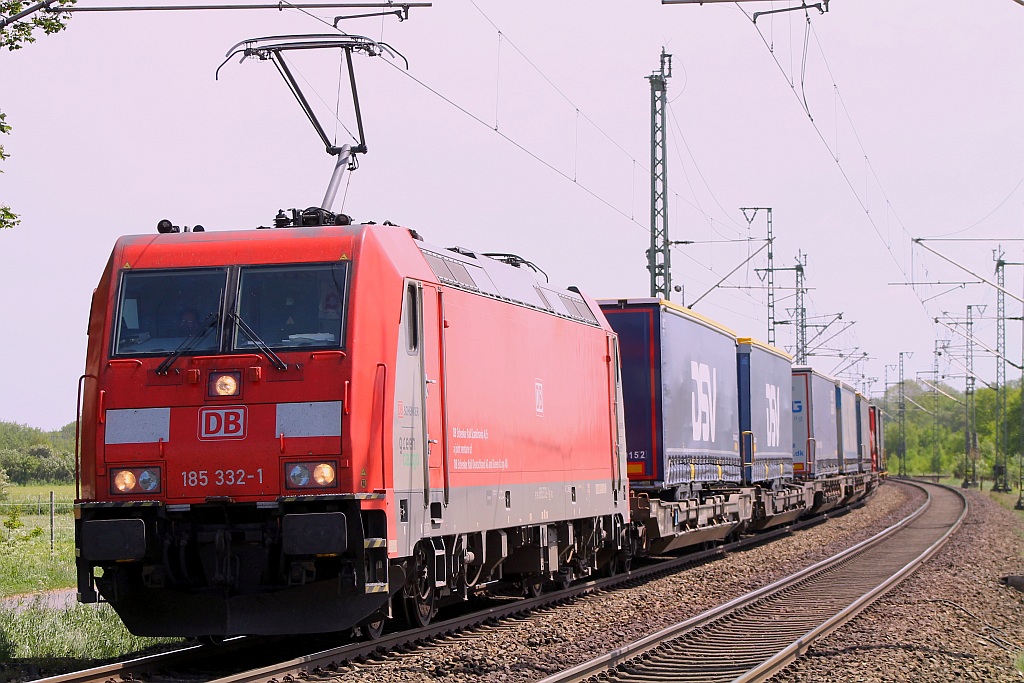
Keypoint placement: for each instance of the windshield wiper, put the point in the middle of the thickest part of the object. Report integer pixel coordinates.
(194, 337)
(275, 360)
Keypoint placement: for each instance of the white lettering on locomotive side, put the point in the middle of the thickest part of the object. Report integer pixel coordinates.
(538, 391)
(704, 399)
(193, 478)
(480, 464)
(773, 413)
(222, 422)
(468, 433)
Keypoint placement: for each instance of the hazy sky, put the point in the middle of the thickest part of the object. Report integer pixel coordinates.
(916, 108)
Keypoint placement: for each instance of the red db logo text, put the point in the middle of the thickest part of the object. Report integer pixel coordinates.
(222, 423)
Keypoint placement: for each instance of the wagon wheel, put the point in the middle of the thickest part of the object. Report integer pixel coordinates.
(419, 589)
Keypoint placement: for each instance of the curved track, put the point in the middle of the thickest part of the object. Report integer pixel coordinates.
(757, 635)
(236, 660)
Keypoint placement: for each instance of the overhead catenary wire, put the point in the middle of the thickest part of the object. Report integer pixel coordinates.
(573, 175)
(835, 158)
(578, 113)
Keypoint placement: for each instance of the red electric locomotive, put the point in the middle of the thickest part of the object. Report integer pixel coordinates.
(297, 429)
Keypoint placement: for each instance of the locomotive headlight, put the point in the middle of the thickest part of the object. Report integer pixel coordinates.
(298, 475)
(136, 480)
(149, 480)
(323, 474)
(125, 481)
(225, 383)
(311, 475)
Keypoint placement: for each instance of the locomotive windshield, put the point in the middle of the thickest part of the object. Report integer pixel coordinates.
(164, 312)
(290, 306)
(158, 310)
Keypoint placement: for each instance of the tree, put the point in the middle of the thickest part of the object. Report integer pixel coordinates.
(18, 24)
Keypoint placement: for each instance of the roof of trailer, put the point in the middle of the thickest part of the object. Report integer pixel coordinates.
(665, 303)
(767, 347)
(819, 373)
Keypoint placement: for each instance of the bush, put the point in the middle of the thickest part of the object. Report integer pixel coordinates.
(4, 481)
(40, 464)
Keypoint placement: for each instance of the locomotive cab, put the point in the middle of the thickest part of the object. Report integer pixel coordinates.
(222, 491)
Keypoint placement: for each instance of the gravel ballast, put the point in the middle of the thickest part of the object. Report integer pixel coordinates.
(906, 638)
(953, 620)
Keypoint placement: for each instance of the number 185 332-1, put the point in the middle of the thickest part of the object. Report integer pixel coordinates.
(220, 477)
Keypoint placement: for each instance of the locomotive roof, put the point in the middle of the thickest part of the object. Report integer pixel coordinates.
(318, 243)
(495, 276)
(502, 276)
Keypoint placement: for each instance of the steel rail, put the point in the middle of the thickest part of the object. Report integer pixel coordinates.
(718, 662)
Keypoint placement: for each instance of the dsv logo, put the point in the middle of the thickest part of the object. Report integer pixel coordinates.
(222, 423)
(703, 405)
(772, 413)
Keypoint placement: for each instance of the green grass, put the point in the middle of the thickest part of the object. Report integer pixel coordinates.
(26, 563)
(1009, 501)
(38, 640)
(32, 492)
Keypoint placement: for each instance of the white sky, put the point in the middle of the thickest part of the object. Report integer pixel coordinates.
(118, 122)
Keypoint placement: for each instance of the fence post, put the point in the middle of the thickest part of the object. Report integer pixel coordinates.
(52, 553)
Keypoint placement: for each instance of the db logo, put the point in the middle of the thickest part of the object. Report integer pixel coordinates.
(222, 423)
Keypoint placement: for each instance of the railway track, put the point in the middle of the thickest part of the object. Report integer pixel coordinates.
(249, 660)
(757, 635)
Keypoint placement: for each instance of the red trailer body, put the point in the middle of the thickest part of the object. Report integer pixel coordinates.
(353, 415)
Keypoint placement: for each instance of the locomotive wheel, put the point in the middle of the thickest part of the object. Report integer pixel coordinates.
(532, 588)
(372, 630)
(620, 563)
(419, 591)
(561, 581)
